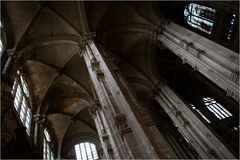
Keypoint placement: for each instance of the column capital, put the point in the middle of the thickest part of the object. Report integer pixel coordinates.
(94, 108)
(158, 31)
(39, 118)
(10, 52)
(85, 39)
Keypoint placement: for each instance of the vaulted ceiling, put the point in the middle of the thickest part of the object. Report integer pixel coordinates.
(46, 36)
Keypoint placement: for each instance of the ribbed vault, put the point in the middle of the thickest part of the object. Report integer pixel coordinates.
(46, 43)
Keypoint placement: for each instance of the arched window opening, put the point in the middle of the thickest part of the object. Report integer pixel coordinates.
(219, 111)
(21, 100)
(47, 151)
(200, 17)
(86, 151)
(200, 113)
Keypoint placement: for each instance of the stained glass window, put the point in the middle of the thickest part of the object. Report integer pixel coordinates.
(86, 151)
(200, 17)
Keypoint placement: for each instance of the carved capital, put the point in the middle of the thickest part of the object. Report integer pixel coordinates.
(94, 108)
(39, 118)
(10, 52)
(157, 33)
(86, 39)
(89, 36)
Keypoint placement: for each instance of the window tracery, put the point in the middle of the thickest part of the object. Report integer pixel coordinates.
(213, 106)
(21, 101)
(200, 17)
(219, 111)
(86, 151)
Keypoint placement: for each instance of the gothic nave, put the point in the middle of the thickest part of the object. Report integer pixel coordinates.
(93, 80)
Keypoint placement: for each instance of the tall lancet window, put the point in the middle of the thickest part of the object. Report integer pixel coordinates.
(47, 151)
(200, 17)
(86, 151)
(21, 100)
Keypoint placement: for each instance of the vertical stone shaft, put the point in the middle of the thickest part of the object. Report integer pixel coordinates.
(217, 63)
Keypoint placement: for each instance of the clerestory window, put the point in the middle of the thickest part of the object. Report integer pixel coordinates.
(219, 111)
(216, 108)
(86, 151)
(21, 100)
(47, 151)
(200, 17)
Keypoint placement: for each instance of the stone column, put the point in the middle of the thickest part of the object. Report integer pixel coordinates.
(9, 62)
(106, 149)
(161, 146)
(194, 130)
(39, 119)
(114, 105)
(217, 63)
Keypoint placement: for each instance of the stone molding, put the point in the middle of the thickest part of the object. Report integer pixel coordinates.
(190, 48)
(121, 122)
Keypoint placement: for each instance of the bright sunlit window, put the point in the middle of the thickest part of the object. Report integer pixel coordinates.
(47, 151)
(21, 100)
(219, 111)
(86, 151)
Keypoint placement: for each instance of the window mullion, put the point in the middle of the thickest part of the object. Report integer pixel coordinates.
(15, 87)
(20, 103)
(220, 110)
(80, 152)
(85, 150)
(91, 150)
